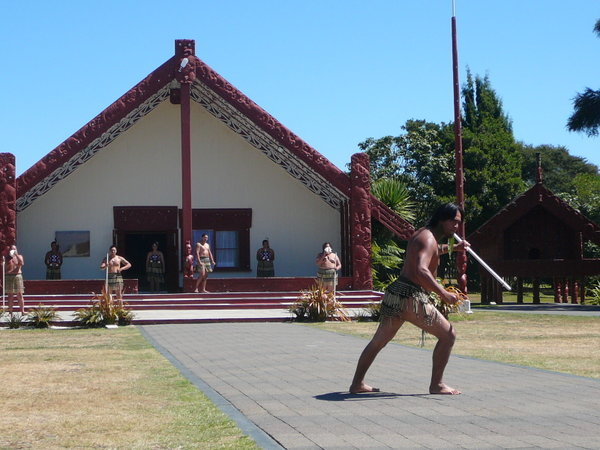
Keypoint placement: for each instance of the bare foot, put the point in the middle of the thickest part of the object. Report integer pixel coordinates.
(205, 291)
(196, 291)
(443, 389)
(362, 389)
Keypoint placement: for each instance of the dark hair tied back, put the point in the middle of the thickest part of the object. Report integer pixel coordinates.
(446, 211)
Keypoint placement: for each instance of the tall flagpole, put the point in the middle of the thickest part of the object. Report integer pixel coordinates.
(461, 257)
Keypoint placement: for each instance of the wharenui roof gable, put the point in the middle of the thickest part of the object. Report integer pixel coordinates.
(223, 101)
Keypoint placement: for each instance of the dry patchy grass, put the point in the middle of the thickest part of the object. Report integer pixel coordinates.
(567, 344)
(102, 388)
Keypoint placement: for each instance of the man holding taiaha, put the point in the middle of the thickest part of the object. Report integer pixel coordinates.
(408, 300)
(116, 264)
(14, 279)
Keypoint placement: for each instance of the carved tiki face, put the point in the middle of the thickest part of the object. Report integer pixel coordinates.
(7, 174)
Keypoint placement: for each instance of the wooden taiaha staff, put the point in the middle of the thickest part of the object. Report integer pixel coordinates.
(485, 266)
(106, 275)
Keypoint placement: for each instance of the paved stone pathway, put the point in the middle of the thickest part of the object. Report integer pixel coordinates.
(286, 385)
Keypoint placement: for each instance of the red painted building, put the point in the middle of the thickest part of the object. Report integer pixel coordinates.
(181, 153)
(537, 236)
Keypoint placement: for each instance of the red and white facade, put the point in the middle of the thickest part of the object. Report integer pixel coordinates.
(184, 150)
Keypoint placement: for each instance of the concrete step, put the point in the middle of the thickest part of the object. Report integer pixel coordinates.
(241, 300)
(195, 308)
(196, 296)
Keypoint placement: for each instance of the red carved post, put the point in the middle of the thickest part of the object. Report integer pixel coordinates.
(360, 217)
(186, 165)
(8, 202)
(186, 74)
(556, 290)
(574, 291)
(565, 298)
(561, 287)
(459, 177)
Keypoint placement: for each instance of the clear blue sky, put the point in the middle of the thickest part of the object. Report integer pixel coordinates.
(335, 72)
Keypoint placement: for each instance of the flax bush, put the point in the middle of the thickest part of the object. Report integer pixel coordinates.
(594, 295)
(317, 304)
(16, 320)
(41, 316)
(103, 311)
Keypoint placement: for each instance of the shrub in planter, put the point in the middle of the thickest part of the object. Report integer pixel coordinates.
(317, 304)
(89, 317)
(16, 320)
(124, 316)
(41, 316)
(103, 311)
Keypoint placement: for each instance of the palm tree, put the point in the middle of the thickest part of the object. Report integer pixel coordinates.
(386, 255)
(395, 195)
(586, 105)
(385, 263)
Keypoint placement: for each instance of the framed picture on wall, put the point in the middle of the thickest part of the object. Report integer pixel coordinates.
(73, 243)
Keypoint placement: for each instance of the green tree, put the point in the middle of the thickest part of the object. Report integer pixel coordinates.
(420, 158)
(559, 168)
(586, 106)
(396, 196)
(481, 106)
(386, 254)
(586, 200)
(587, 190)
(492, 158)
(386, 261)
(384, 159)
